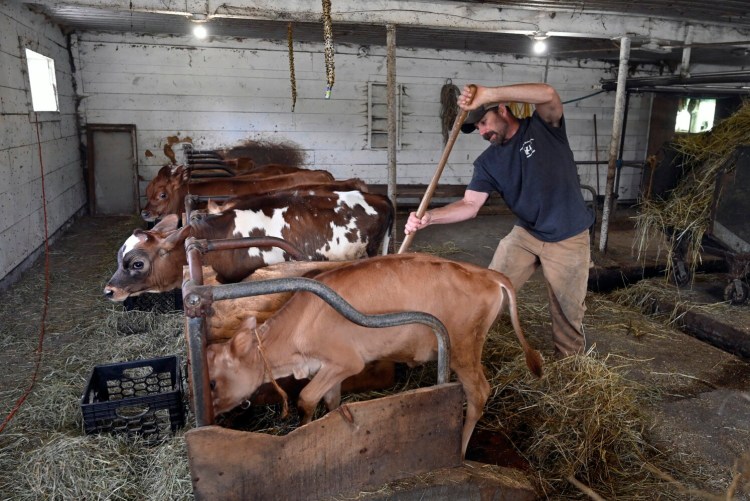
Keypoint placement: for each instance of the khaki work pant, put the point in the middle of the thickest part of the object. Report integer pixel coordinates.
(565, 265)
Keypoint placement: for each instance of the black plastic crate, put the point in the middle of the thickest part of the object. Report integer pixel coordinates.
(161, 302)
(143, 397)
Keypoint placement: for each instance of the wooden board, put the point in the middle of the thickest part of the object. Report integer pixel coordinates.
(362, 444)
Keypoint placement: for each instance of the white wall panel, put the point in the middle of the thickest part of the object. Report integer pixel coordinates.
(221, 93)
(21, 203)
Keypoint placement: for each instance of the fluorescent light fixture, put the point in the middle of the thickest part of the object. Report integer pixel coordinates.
(200, 31)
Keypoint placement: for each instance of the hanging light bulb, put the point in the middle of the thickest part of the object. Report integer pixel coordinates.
(540, 44)
(200, 31)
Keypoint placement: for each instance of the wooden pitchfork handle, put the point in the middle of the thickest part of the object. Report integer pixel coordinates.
(439, 171)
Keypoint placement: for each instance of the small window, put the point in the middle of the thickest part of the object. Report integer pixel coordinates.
(377, 116)
(42, 81)
(695, 115)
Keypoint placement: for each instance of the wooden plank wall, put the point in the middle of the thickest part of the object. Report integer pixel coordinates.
(21, 208)
(222, 92)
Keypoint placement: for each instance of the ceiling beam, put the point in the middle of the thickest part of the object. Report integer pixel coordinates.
(437, 14)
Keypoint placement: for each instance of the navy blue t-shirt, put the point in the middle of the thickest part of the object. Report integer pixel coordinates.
(537, 177)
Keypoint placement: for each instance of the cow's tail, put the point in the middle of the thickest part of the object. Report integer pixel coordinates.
(387, 240)
(390, 221)
(387, 216)
(533, 357)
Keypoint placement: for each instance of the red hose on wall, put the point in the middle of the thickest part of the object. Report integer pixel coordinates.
(42, 327)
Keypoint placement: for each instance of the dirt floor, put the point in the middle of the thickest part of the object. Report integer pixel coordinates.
(701, 393)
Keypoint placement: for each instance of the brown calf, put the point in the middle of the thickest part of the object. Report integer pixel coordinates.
(307, 338)
(165, 194)
(227, 316)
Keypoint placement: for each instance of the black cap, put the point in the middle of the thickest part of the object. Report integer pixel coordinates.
(476, 115)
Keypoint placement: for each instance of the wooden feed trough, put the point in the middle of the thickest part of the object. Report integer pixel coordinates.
(360, 445)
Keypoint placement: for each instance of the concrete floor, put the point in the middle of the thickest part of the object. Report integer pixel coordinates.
(474, 241)
(705, 403)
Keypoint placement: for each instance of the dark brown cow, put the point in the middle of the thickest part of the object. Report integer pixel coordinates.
(165, 194)
(354, 184)
(265, 152)
(324, 225)
(307, 338)
(237, 167)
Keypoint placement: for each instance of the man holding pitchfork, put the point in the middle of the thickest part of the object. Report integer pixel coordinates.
(530, 163)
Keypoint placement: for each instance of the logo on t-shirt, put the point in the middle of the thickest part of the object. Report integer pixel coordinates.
(528, 148)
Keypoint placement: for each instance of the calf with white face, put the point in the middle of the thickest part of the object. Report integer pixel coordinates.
(324, 225)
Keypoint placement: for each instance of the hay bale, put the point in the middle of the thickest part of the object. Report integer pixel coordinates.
(686, 213)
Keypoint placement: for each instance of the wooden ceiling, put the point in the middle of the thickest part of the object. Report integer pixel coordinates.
(660, 30)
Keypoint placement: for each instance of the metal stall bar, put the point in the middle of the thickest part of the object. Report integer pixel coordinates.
(198, 299)
(191, 202)
(198, 160)
(196, 326)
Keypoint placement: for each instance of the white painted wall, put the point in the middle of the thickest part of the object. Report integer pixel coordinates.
(221, 92)
(22, 212)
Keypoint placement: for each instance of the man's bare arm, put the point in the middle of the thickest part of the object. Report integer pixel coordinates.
(460, 210)
(544, 97)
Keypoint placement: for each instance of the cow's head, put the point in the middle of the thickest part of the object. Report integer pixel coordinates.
(149, 261)
(234, 368)
(164, 194)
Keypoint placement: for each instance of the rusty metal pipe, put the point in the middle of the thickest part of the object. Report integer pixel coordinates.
(191, 202)
(206, 163)
(200, 383)
(239, 243)
(194, 251)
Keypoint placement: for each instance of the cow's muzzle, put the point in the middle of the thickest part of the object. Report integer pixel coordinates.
(111, 294)
(147, 216)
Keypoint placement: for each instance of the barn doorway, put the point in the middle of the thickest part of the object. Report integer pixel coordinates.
(112, 169)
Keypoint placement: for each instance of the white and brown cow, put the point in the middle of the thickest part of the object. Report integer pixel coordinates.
(307, 338)
(324, 225)
(165, 194)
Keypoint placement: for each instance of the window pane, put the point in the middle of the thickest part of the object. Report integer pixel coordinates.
(42, 81)
(695, 115)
